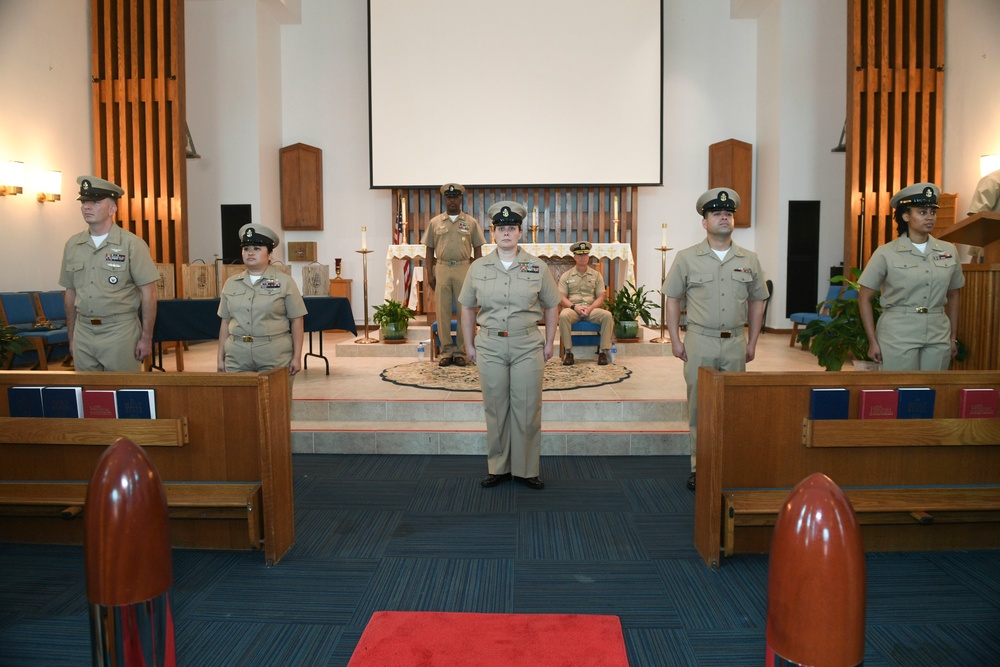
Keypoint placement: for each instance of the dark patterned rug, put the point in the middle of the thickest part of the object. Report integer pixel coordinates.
(428, 375)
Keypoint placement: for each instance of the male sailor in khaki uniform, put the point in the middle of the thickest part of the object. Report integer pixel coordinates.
(724, 287)
(451, 239)
(108, 273)
(582, 289)
(512, 291)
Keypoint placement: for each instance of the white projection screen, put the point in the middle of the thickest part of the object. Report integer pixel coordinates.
(515, 92)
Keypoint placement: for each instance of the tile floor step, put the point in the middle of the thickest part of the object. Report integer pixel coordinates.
(377, 411)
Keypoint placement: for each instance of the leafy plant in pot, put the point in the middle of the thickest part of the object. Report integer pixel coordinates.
(11, 344)
(627, 306)
(393, 318)
(843, 336)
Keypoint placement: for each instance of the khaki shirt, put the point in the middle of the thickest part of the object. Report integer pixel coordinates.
(107, 278)
(987, 194)
(910, 278)
(509, 299)
(453, 241)
(581, 288)
(717, 292)
(263, 309)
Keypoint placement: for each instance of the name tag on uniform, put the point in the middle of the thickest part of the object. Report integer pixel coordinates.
(527, 267)
(114, 257)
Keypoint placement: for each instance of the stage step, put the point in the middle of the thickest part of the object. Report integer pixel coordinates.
(609, 428)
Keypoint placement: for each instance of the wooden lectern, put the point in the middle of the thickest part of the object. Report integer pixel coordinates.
(979, 302)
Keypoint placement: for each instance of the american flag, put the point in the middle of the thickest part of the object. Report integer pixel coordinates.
(397, 239)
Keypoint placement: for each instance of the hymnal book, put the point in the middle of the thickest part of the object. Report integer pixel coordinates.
(100, 404)
(829, 403)
(25, 402)
(978, 403)
(916, 403)
(877, 404)
(136, 404)
(63, 402)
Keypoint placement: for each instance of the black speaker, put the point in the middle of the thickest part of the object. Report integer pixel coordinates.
(802, 261)
(234, 216)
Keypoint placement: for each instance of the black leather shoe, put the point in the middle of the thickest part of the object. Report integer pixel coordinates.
(602, 358)
(691, 482)
(568, 359)
(444, 361)
(534, 483)
(493, 480)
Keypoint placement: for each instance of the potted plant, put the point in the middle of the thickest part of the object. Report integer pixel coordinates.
(11, 344)
(843, 335)
(627, 306)
(394, 319)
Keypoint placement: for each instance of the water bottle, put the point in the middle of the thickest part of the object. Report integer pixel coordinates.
(420, 351)
(614, 351)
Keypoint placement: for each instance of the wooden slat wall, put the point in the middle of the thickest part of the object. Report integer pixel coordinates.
(575, 214)
(139, 119)
(895, 121)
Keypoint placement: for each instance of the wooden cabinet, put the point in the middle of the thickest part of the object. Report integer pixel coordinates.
(341, 287)
(730, 165)
(301, 188)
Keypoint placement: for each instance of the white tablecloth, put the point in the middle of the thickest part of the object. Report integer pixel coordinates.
(599, 250)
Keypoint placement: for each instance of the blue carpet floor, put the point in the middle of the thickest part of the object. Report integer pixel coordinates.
(608, 535)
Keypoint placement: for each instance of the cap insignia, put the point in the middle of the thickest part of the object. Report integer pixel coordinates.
(85, 185)
(249, 233)
(928, 192)
(505, 212)
(723, 196)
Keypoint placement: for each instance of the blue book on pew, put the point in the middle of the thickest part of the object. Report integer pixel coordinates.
(832, 403)
(63, 402)
(25, 402)
(916, 403)
(136, 404)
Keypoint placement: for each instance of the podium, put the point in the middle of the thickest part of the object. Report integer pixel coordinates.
(979, 300)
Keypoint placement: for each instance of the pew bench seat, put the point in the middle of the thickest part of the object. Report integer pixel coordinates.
(185, 500)
(873, 506)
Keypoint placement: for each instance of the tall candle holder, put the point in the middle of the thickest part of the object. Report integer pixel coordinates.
(614, 235)
(534, 233)
(663, 337)
(364, 269)
(336, 263)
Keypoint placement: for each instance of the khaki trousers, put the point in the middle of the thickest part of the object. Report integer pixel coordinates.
(510, 370)
(449, 281)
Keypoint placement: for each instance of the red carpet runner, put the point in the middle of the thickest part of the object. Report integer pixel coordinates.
(440, 639)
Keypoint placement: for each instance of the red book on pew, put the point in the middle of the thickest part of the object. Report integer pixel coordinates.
(100, 404)
(877, 404)
(978, 403)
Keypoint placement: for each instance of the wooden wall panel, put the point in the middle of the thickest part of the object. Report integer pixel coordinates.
(895, 121)
(139, 118)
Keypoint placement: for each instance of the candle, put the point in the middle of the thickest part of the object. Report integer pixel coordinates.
(614, 238)
(534, 216)
(364, 239)
(402, 205)
(616, 207)
(663, 236)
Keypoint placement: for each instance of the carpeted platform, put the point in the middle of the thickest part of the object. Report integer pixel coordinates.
(428, 375)
(443, 639)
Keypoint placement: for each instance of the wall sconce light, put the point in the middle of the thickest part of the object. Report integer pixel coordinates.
(988, 164)
(51, 185)
(12, 179)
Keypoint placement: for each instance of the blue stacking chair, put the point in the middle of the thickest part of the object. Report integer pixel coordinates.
(822, 311)
(18, 311)
(585, 334)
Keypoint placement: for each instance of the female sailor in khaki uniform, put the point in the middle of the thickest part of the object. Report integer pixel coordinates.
(919, 276)
(261, 311)
(511, 289)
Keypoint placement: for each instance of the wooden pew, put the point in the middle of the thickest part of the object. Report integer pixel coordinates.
(755, 440)
(190, 500)
(212, 428)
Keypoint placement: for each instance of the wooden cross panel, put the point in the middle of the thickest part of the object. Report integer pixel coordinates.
(139, 118)
(895, 113)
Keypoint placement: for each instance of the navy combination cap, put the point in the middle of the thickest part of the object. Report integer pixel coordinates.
(718, 199)
(507, 213)
(918, 194)
(452, 190)
(580, 248)
(93, 188)
(251, 234)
